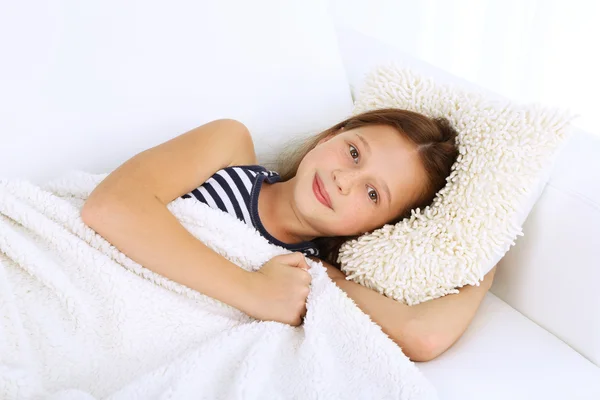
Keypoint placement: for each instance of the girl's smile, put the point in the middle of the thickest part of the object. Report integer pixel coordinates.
(321, 192)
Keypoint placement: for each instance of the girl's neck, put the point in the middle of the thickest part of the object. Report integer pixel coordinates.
(278, 214)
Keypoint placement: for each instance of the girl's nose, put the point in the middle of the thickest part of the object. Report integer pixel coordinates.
(344, 180)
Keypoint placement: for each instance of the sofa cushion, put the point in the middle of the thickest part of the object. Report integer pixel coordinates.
(503, 355)
(88, 85)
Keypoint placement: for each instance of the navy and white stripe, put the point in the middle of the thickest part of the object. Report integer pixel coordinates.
(235, 190)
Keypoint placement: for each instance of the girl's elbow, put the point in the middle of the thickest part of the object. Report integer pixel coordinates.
(421, 348)
(420, 345)
(89, 213)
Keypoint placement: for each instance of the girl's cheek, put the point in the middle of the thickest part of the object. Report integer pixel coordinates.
(333, 157)
(358, 213)
(347, 226)
(342, 155)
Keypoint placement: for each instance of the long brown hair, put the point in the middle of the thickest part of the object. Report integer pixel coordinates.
(436, 143)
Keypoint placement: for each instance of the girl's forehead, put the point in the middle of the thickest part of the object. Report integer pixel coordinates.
(383, 138)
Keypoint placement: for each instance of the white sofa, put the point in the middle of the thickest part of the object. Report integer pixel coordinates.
(537, 335)
(86, 85)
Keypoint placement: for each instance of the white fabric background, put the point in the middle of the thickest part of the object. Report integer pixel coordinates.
(527, 50)
(86, 85)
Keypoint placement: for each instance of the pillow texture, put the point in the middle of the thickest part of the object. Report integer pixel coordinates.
(506, 152)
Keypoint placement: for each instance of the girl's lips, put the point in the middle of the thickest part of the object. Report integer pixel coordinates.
(320, 192)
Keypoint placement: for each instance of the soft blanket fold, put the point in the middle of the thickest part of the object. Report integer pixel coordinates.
(80, 320)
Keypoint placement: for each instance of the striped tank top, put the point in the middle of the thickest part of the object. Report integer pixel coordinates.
(235, 190)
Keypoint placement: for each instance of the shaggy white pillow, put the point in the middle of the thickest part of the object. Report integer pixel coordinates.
(506, 153)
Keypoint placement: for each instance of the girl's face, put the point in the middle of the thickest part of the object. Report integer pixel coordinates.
(358, 180)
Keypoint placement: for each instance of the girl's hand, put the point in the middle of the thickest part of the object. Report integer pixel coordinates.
(279, 290)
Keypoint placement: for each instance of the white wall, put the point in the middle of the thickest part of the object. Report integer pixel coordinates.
(530, 50)
(88, 84)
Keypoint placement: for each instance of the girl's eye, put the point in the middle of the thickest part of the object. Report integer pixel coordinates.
(373, 195)
(354, 153)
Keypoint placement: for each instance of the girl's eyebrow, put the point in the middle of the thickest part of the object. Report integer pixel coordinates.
(364, 142)
(387, 191)
(367, 146)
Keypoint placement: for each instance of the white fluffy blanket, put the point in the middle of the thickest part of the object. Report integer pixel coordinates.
(80, 320)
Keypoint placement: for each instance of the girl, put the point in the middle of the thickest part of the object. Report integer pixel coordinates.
(362, 173)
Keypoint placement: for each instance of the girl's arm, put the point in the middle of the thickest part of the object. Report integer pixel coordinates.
(423, 331)
(129, 208)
